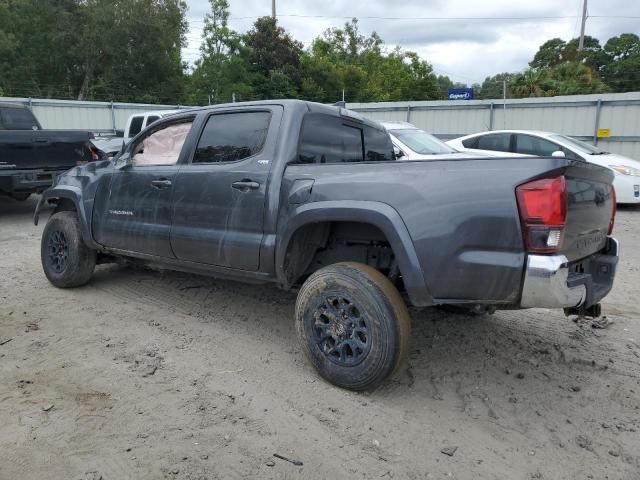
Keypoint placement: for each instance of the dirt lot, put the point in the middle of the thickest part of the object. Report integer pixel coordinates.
(145, 374)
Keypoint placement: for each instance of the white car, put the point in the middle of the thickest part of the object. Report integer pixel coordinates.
(411, 143)
(507, 143)
(135, 124)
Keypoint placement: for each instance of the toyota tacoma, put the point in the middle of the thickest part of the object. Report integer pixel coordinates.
(311, 197)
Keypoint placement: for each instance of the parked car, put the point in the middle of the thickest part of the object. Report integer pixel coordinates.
(112, 144)
(411, 143)
(530, 142)
(310, 197)
(31, 158)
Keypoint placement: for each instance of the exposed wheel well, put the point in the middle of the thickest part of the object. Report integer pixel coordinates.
(317, 245)
(62, 205)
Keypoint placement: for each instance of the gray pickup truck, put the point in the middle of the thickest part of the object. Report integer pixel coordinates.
(310, 197)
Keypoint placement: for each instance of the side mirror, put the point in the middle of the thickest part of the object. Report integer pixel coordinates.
(398, 154)
(558, 153)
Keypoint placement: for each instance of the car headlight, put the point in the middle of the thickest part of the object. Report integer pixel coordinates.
(622, 170)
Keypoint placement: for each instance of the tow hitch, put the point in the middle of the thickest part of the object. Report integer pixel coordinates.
(594, 311)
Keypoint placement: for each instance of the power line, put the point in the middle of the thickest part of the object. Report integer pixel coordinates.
(370, 17)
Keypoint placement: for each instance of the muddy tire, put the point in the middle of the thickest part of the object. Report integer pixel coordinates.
(66, 260)
(353, 325)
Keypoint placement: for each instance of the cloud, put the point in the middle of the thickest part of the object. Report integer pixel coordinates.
(495, 36)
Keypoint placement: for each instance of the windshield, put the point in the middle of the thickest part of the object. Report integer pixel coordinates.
(422, 142)
(578, 145)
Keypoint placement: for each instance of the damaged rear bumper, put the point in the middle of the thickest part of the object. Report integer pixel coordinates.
(552, 282)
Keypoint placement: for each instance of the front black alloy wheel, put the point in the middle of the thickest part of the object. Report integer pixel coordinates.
(57, 251)
(66, 259)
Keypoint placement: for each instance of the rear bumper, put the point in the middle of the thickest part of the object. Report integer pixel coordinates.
(550, 281)
(31, 181)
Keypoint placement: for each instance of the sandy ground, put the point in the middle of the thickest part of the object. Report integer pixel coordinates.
(145, 374)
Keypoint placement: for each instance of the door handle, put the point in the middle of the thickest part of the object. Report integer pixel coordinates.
(159, 184)
(245, 185)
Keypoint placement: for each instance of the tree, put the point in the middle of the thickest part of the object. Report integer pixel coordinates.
(550, 54)
(531, 83)
(91, 49)
(344, 59)
(222, 69)
(622, 72)
(493, 87)
(274, 58)
(445, 84)
(573, 78)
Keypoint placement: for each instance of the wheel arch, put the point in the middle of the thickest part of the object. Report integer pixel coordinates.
(70, 199)
(376, 214)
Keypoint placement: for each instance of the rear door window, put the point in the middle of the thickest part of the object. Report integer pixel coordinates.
(497, 142)
(530, 145)
(330, 139)
(230, 137)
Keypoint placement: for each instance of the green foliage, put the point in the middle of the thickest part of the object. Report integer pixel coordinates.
(93, 49)
(622, 72)
(493, 87)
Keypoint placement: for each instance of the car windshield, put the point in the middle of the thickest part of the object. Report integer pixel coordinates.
(582, 147)
(422, 142)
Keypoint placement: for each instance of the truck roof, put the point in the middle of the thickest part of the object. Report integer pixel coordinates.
(293, 104)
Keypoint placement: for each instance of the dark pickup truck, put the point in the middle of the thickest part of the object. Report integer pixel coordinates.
(31, 158)
(310, 197)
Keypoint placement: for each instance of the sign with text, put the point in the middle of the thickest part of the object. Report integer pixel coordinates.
(460, 94)
(604, 133)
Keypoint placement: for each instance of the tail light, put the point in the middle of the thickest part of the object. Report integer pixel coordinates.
(543, 214)
(614, 210)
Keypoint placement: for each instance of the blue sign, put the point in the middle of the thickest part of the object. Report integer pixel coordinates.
(461, 94)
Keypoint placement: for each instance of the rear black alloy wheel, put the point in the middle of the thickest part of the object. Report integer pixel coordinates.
(340, 331)
(58, 251)
(353, 325)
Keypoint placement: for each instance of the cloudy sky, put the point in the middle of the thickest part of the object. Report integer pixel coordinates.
(486, 36)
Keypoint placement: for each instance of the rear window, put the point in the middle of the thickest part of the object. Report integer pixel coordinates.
(151, 119)
(329, 139)
(17, 119)
(497, 142)
(136, 126)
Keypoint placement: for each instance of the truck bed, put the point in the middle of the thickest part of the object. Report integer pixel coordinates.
(463, 217)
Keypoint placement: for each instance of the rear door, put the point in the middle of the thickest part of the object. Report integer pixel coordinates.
(136, 216)
(219, 198)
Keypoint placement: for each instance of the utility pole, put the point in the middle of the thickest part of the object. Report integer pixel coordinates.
(273, 9)
(584, 21)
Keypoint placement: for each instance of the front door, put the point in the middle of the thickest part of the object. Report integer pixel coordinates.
(137, 215)
(219, 196)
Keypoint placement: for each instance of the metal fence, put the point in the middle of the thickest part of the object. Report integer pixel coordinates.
(579, 116)
(94, 116)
